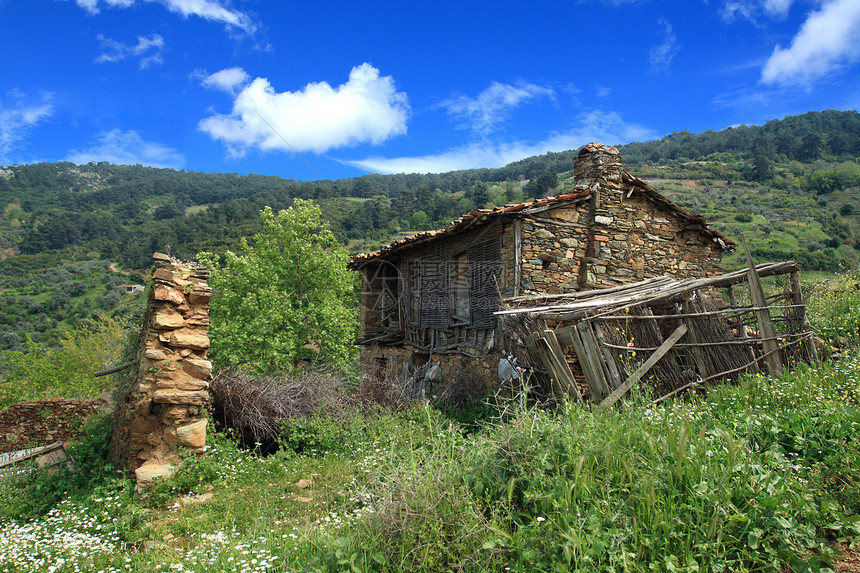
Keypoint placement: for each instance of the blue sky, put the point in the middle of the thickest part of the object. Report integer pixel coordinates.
(324, 90)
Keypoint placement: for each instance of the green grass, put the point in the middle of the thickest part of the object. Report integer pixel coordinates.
(757, 476)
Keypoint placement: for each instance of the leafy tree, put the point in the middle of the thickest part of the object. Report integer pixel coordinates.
(420, 221)
(288, 297)
(539, 187)
(67, 371)
(762, 168)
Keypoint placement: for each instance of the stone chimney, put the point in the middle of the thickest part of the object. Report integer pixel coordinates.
(597, 162)
(162, 416)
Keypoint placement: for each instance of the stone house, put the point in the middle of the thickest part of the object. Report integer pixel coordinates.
(433, 295)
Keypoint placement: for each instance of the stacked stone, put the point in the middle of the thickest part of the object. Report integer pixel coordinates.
(597, 162)
(164, 413)
(552, 253)
(43, 422)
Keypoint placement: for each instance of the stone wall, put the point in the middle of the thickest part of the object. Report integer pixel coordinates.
(376, 358)
(43, 422)
(553, 249)
(163, 415)
(617, 235)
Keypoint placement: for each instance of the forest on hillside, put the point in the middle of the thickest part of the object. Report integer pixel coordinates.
(70, 234)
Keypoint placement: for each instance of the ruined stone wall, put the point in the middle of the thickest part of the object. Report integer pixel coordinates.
(455, 367)
(553, 248)
(633, 240)
(617, 236)
(42, 422)
(163, 415)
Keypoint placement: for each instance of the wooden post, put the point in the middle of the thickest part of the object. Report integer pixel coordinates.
(518, 255)
(593, 375)
(742, 329)
(565, 376)
(765, 326)
(642, 370)
(803, 321)
(611, 370)
(698, 356)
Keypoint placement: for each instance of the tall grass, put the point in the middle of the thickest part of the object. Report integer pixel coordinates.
(746, 478)
(834, 309)
(757, 476)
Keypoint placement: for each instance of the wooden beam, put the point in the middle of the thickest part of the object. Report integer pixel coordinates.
(565, 376)
(765, 325)
(642, 370)
(803, 321)
(587, 353)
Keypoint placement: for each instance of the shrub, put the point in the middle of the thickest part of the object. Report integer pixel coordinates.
(67, 371)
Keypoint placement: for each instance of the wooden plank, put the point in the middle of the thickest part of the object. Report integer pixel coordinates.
(565, 375)
(765, 325)
(642, 370)
(610, 368)
(589, 355)
(564, 335)
(803, 321)
(696, 350)
(518, 255)
(587, 371)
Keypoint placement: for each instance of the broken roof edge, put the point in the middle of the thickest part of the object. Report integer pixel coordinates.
(580, 192)
(695, 220)
(472, 219)
(631, 295)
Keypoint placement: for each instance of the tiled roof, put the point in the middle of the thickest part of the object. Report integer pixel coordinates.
(482, 216)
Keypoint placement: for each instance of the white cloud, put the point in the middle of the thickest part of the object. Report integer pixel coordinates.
(17, 119)
(608, 127)
(778, 8)
(225, 80)
(483, 113)
(212, 10)
(128, 148)
(92, 6)
(367, 108)
(661, 55)
(753, 10)
(147, 49)
(827, 40)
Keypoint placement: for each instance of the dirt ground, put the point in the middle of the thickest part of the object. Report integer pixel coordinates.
(849, 561)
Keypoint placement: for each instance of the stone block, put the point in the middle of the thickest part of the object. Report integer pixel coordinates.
(176, 396)
(163, 292)
(192, 435)
(197, 367)
(185, 338)
(163, 274)
(199, 296)
(167, 319)
(155, 354)
(152, 469)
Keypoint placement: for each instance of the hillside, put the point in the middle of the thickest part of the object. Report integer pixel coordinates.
(791, 186)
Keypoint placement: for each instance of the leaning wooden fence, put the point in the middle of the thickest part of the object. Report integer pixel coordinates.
(676, 334)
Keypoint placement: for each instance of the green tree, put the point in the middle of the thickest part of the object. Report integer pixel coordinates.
(67, 371)
(762, 168)
(286, 298)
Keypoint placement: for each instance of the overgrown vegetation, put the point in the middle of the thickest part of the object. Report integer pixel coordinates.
(286, 299)
(758, 476)
(67, 371)
(790, 186)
